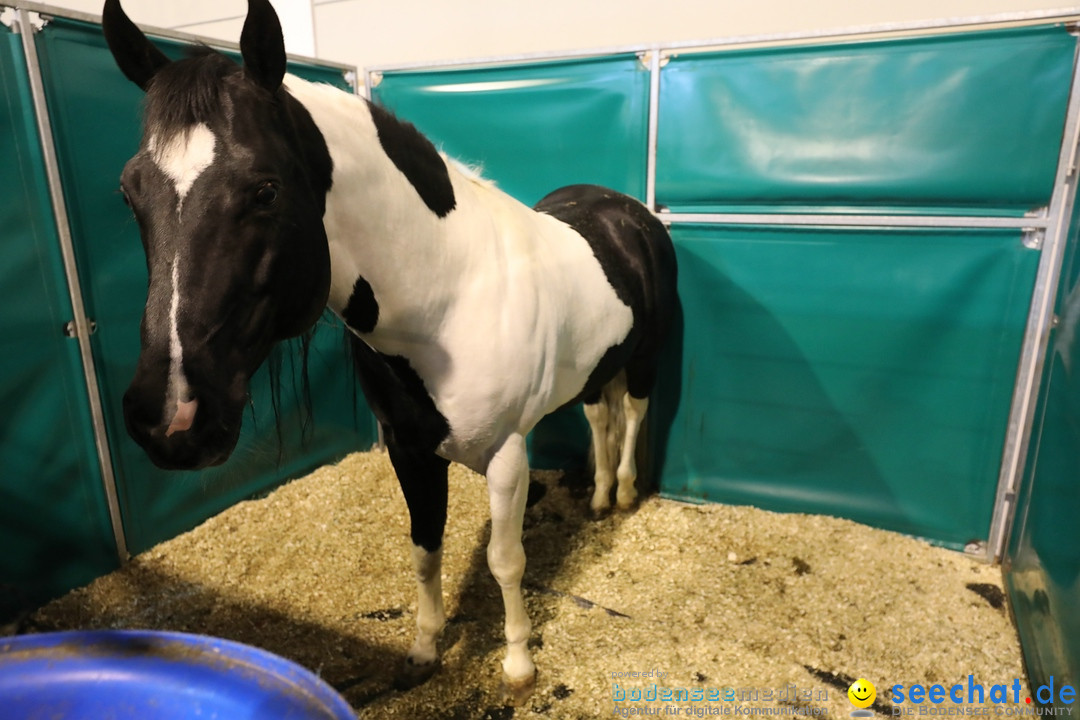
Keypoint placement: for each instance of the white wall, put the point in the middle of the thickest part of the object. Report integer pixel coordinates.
(219, 19)
(366, 33)
(379, 32)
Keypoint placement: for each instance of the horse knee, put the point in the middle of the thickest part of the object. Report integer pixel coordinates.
(506, 560)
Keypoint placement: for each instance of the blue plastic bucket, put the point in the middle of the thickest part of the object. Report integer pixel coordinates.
(144, 675)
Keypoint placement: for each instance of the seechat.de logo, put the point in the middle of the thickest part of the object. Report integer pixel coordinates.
(1058, 695)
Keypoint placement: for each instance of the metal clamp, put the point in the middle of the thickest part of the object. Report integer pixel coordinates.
(350, 79)
(11, 18)
(72, 330)
(645, 58)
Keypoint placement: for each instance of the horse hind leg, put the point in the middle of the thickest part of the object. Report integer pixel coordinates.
(627, 400)
(634, 415)
(604, 422)
(614, 419)
(603, 477)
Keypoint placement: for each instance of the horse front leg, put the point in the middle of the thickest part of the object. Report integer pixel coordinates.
(508, 486)
(422, 476)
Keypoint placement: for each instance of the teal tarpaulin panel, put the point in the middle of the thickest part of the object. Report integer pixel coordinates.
(534, 128)
(1042, 566)
(95, 113)
(863, 373)
(860, 373)
(54, 524)
(967, 123)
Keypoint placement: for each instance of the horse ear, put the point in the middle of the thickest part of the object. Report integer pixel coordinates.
(137, 57)
(263, 45)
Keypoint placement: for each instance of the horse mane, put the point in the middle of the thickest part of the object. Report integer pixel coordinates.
(276, 371)
(187, 92)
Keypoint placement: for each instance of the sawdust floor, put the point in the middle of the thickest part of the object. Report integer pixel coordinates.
(712, 597)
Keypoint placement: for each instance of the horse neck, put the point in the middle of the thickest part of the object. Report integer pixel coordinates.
(377, 226)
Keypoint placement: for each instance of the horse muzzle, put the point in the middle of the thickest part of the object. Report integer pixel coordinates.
(192, 434)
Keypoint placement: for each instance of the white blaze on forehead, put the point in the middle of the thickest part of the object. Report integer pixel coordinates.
(184, 156)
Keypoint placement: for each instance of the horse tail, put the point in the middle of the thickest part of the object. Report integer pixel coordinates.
(612, 397)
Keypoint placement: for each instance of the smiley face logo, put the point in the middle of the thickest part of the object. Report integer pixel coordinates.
(862, 693)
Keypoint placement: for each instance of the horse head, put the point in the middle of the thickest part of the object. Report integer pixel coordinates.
(228, 188)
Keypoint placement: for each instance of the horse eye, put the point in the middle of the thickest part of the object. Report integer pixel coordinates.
(267, 194)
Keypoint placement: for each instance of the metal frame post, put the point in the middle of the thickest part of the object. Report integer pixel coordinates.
(654, 124)
(80, 323)
(1040, 322)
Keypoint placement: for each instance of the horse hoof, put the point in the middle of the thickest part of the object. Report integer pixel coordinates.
(413, 674)
(517, 691)
(599, 513)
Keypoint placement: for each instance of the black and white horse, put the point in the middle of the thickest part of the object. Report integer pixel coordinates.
(262, 198)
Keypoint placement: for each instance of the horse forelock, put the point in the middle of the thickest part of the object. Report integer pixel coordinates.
(189, 92)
